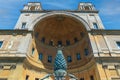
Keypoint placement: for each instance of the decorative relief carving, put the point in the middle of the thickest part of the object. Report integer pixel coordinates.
(10, 44)
(8, 66)
(105, 66)
(117, 66)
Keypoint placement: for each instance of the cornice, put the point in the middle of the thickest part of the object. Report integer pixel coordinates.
(14, 32)
(104, 32)
(93, 32)
(44, 11)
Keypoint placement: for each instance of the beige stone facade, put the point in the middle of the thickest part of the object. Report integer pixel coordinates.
(28, 51)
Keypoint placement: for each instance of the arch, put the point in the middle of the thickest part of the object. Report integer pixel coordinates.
(59, 28)
(84, 52)
(57, 13)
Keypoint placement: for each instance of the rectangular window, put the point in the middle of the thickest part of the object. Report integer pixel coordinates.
(75, 40)
(69, 59)
(43, 40)
(81, 78)
(50, 59)
(86, 51)
(91, 78)
(23, 25)
(78, 56)
(33, 49)
(118, 44)
(1, 67)
(40, 56)
(1, 43)
(67, 42)
(36, 35)
(51, 43)
(95, 25)
(59, 43)
(82, 34)
(36, 78)
(27, 77)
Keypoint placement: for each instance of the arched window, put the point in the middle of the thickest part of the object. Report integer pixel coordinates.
(87, 8)
(32, 8)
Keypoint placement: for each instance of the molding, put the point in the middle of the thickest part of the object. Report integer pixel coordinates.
(69, 14)
(14, 32)
(92, 31)
(12, 55)
(44, 11)
(108, 59)
(104, 32)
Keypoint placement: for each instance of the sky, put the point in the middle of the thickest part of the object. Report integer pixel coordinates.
(109, 10)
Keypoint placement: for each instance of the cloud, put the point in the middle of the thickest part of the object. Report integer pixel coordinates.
(9, 10)
(9, 13)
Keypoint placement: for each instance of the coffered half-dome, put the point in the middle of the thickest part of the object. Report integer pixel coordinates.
(59, 30)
